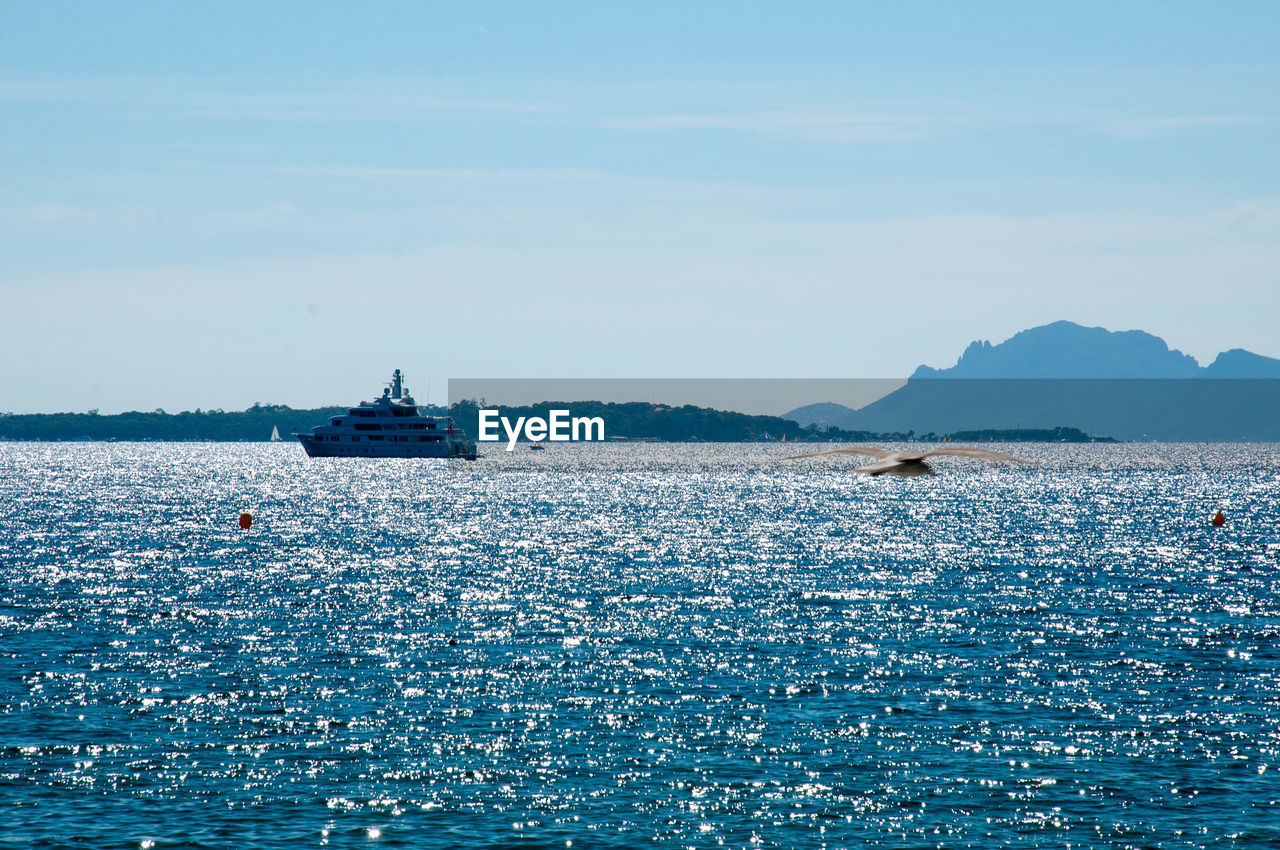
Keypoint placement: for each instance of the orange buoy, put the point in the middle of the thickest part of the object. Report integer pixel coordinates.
(1219, 519)
(246, 520)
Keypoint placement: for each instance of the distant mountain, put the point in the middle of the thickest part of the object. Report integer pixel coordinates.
(1129, 384)
(1068, 350)
(1182, 409)
(823, 414)
(1238, 363)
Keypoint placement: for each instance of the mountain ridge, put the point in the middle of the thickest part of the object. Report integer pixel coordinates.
(1128, 384)
(1064, 349)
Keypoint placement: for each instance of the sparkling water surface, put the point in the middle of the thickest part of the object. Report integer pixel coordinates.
(630, 645)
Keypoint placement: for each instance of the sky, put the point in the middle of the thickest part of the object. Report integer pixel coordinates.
(211, 205)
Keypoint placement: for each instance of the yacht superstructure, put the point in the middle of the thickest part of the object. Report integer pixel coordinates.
(391, 426)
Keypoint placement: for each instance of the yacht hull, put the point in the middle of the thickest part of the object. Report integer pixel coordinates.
(441, 449)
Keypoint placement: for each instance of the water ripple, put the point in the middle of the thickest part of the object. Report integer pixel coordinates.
(606, 645)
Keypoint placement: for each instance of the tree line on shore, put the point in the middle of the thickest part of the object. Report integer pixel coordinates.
(630, 420)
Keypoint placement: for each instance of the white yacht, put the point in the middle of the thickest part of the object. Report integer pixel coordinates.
(392, 426)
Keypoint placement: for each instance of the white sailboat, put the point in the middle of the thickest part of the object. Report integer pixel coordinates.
(275, 434)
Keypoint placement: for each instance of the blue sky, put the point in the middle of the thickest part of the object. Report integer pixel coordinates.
(207, 207)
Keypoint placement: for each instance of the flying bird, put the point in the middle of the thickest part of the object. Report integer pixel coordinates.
(906, 463)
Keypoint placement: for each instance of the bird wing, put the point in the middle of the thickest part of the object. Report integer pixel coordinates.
(887, 465)
(962, 451)
(848, 450)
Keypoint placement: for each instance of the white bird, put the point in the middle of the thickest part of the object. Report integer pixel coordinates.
(908, 463)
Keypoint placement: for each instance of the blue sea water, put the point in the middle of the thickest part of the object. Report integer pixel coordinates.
(635, 645)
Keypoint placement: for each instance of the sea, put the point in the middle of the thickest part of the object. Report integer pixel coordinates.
(638, 645)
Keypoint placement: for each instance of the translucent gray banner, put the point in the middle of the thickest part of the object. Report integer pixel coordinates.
(1194, 409)
(753, 396)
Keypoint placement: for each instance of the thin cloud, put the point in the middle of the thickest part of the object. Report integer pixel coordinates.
(54, 217)
(73, 90)
(1142, 128)
(357, 105)
(412, 173)
(580, 187)
(816, 125)
(217, 98)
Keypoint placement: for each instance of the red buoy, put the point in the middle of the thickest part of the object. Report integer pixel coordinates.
(246, 520)
(1219, 519)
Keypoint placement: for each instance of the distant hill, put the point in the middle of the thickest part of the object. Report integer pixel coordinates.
(822, 415)
(624, 421)
(1238, 363)
(636, 420)
(1029, 435)
(1127, 384)
(1068, 350)
(252, 425)
(639, 420)
(1190, 409)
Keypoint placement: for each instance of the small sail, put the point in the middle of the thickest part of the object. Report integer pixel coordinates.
(275, 434)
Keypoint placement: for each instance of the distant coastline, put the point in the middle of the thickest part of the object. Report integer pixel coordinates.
(1060, 382)
(640, 421)
(1128, 384)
